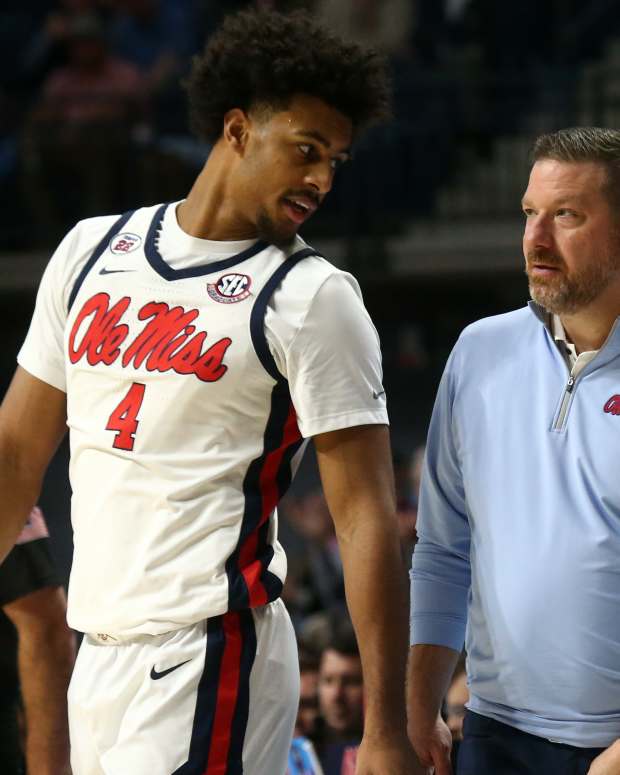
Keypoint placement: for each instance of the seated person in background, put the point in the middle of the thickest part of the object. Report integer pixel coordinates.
(341, 699)
(33, 599)
(308, 719)
(82, 128)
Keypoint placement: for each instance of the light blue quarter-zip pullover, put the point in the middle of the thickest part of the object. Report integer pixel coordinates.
(519, 529)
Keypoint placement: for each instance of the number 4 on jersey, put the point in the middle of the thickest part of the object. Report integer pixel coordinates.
(124, 419)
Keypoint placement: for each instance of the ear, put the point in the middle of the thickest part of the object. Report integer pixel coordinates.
(236, 129)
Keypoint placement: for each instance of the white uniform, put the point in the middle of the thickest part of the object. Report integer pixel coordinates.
(193, 372)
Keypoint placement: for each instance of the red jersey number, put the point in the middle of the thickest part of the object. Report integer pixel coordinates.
(124, 419)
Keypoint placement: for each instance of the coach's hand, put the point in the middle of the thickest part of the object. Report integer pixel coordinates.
(433, 746)
(393, 756)
(607, 763)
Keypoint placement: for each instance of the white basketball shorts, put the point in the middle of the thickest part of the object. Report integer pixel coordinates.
(217, 698)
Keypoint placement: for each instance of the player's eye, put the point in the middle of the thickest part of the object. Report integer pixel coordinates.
(305, 148)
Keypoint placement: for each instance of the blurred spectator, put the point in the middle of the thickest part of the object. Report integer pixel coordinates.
(318, 580)
(341, 699)
(156, 36)
(383, 24)
(307, 724)
(302, 757)
(81, 130)
(46, 49)
(408, 474)
(94, 86)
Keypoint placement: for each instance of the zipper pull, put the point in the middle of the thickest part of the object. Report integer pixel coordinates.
(570, 384)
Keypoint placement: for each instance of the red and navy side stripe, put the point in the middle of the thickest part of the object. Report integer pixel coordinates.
(223, 699)
(250, 583)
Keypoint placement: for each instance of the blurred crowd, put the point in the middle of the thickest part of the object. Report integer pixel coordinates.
(93, 118)
(331, 710)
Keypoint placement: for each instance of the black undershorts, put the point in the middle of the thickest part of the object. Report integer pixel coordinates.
(27, 568)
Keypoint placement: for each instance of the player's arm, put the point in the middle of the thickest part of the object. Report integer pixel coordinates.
(46, 652)
(440, 581)
(356, 473)
(32, 425)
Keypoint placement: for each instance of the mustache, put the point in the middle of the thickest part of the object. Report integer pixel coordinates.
(542, 256)
(303, 192)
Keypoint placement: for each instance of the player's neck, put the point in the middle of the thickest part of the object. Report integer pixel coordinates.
(211, 209)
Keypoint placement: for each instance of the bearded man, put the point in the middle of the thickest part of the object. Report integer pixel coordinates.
(519, 516)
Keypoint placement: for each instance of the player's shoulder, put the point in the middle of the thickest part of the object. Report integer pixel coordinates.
(88, 232)
(87, 235)
(314, 271)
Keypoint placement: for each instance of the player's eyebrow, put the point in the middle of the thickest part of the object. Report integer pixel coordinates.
(314, 134)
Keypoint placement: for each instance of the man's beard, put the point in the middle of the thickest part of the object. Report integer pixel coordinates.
(269, 232)
(564, 293)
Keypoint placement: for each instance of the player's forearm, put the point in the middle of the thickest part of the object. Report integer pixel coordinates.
(377, 599)
(20, 491)
(32, 424)
(429, 673)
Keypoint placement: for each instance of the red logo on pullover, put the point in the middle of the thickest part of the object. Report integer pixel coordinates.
(613, 405)
(167, 342)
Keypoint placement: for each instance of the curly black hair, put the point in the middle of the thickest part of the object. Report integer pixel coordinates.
(260, 57)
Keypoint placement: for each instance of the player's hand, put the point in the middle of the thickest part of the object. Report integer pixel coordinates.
(607, 763)
(433, 746)
(393, 756)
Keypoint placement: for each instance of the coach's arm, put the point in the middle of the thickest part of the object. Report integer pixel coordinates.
(356, 472)
(32, 424)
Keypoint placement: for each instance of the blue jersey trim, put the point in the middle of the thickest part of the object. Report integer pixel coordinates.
(153, 256)
(257, 318)
(96, 255)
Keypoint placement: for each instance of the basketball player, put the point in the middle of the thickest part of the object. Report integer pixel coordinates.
(191, 348)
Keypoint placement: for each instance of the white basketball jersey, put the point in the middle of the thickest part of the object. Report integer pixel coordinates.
(183, 432)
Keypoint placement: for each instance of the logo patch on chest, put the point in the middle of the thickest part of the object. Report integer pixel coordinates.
(125, 243)
(230, 288)
(613, 405)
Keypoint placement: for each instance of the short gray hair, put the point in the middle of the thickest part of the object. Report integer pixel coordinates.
(584, 144)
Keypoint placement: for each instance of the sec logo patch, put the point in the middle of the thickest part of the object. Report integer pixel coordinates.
(125, 243)
(230, 288)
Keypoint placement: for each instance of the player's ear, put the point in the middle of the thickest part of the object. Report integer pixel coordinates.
(236, 129)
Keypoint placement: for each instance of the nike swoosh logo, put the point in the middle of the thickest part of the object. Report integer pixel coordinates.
(114, 271)
(376, 395)
(156, 676)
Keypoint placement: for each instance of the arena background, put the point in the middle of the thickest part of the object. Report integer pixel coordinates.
(427, 216)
